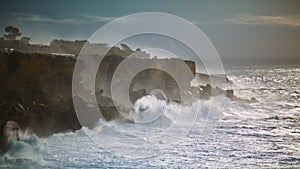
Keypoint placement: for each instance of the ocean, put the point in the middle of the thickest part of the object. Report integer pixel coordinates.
(265, 134)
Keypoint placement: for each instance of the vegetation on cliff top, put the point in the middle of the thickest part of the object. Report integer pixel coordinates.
(11, 42)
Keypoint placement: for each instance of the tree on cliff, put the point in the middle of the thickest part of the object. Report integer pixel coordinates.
(12, 33)
(25, 40)
(126, 48)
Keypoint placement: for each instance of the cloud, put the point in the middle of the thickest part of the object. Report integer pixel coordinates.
(26, 17)
(265, 20)
(99, 18)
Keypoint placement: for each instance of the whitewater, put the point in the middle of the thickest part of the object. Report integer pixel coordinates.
(265, 134)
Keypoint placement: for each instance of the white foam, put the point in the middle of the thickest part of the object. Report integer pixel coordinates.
(27, 152)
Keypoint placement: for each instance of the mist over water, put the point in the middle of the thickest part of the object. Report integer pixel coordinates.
(247, 135)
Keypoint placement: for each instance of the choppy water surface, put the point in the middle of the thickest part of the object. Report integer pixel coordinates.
(256, 135)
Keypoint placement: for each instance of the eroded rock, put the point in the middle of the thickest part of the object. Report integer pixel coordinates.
(9, 131)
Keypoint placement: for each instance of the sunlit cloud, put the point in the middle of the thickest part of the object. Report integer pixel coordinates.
(265, 20)
(26, 17)
(99, 18)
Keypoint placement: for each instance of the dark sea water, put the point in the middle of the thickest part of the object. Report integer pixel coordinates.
(265, 134)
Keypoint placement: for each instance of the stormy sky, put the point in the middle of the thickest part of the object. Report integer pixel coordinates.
(242, 31)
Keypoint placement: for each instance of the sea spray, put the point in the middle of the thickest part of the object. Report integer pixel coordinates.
(28, 152)
(155, 124)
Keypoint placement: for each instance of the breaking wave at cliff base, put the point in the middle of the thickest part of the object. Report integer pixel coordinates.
(25, 153)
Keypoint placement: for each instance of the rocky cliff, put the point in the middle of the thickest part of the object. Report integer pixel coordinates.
(36, 90)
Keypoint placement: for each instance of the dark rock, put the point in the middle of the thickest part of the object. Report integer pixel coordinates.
(9, 131)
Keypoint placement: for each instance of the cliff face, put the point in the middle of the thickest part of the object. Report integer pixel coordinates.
(36, 89)
(35, 74)
(148, 79)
